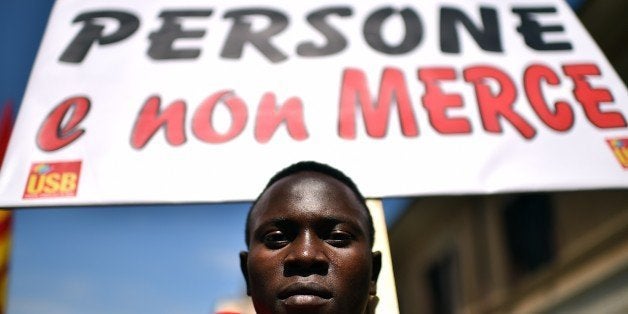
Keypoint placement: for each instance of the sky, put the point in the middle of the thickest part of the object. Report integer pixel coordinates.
(133, 259)
(128, 259)
(124, 259)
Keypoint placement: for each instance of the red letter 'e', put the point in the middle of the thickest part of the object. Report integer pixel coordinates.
(52, 134)
(590, 98)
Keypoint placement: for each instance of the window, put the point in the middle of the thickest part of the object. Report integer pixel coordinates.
(443, 282)
(529, 228)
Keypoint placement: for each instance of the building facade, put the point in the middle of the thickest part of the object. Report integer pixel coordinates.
(560, 252)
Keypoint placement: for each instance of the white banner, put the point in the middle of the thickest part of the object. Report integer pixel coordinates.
(202, 101)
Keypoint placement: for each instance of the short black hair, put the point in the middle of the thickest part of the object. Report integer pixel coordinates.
(313, 166)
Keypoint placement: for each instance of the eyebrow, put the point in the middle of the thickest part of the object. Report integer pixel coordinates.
(329, 220)
(335, 220)
(276, 221)
(353, 225)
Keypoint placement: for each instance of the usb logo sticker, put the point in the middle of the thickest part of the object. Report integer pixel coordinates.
(619, 146)
(52, 179)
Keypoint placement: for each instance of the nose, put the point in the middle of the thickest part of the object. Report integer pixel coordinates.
(306, 256)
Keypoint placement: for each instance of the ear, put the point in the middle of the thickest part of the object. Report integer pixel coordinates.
(244, 257)
(377, 267)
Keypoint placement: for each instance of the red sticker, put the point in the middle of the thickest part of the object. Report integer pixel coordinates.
(619, 146)
(52, 179)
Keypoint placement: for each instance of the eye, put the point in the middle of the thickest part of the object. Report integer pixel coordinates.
(275, 239)
(339, 238)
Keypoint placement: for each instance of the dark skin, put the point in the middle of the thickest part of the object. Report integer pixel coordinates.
(309, 249)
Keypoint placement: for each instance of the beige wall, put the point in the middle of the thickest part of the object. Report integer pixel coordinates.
(589, 239)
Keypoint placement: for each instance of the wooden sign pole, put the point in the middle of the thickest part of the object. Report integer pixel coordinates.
(386, 290)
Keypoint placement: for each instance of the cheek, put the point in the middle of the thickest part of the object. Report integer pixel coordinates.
(352, 272)
(264, 270)
(351, 281)
(265, 273)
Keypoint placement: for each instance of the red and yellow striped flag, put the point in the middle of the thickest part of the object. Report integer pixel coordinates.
(5, 251)
(6, 125)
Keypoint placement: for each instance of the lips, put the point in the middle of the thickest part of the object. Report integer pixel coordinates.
(305, 293)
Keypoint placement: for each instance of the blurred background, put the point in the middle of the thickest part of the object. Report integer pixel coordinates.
(541, 252)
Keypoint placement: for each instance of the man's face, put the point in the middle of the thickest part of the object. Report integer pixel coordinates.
(309, 248)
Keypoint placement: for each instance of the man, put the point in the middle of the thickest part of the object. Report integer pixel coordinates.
(310, 238)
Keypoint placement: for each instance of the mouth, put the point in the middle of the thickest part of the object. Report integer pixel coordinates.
(305, 294)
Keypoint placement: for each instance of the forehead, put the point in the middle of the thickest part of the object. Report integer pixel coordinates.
(309, 195)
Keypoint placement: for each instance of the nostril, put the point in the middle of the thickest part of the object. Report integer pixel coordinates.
(299, 268)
